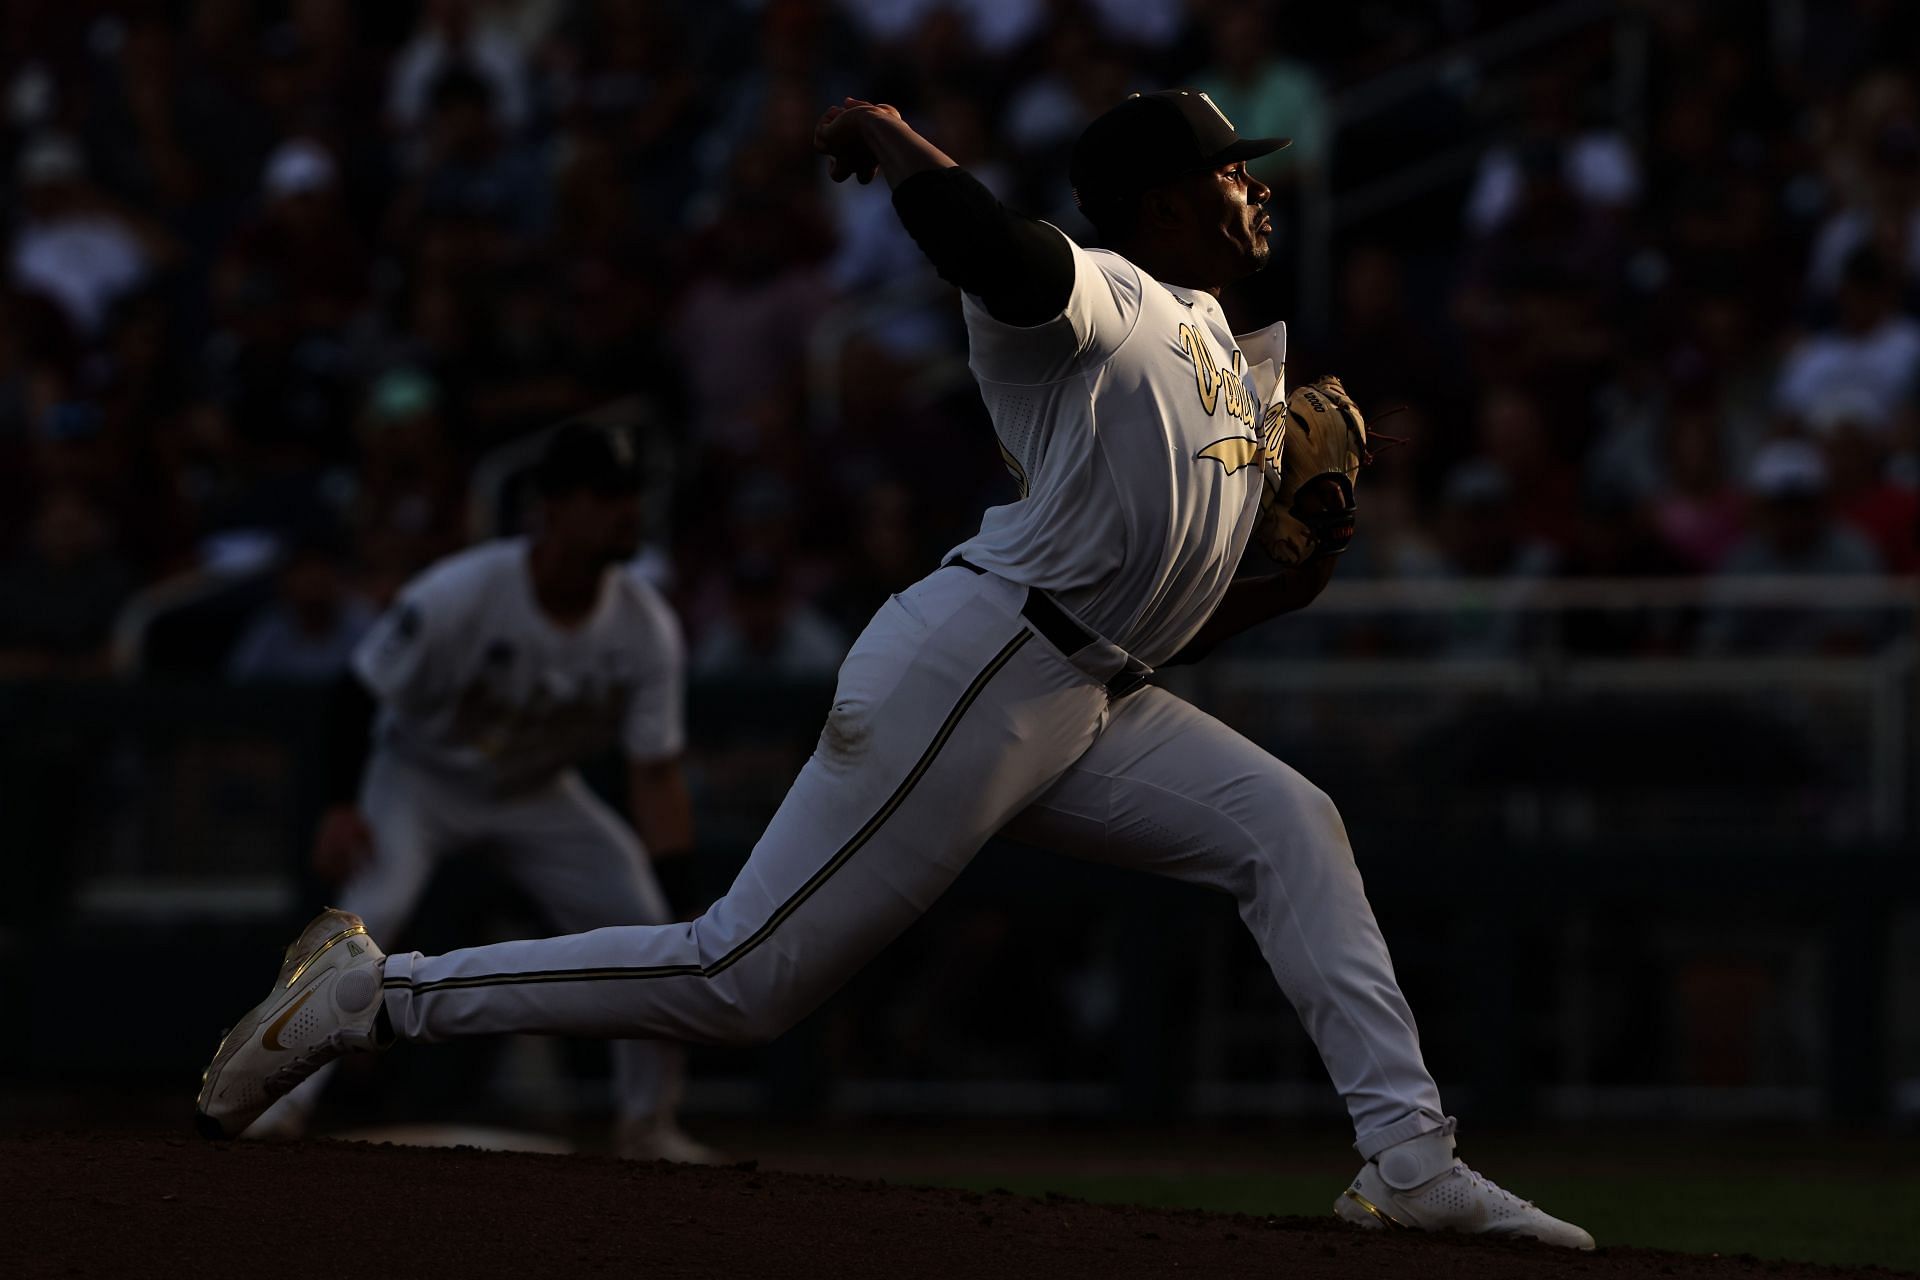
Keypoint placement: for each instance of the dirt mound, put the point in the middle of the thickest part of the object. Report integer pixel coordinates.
(118, 1204)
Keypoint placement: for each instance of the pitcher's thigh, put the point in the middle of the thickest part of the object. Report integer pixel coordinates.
(1170, 789)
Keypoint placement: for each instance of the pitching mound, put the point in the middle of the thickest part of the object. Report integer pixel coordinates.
(113, 1204)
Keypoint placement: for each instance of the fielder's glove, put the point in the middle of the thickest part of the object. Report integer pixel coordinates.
(1307, 506)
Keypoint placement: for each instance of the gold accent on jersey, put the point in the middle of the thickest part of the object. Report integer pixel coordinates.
(1215, 384)
(1273, 430)
(1013, 465)
(1234, 452)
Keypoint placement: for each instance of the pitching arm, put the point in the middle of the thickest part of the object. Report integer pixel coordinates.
(1021, 269)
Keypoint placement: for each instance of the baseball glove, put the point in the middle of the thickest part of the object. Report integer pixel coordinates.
(1307, 507)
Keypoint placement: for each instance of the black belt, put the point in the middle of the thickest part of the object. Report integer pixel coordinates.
(1061, 631)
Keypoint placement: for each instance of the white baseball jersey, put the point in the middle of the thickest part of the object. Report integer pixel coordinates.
(477, 683)
(1134, 430)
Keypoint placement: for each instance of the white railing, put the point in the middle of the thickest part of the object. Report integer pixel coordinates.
(1859, 706)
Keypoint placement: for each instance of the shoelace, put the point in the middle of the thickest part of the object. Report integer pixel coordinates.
(1488, 1184)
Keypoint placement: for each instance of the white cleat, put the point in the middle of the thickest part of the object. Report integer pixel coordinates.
(663, 1139)
(325, 1003)
(1419, 1186)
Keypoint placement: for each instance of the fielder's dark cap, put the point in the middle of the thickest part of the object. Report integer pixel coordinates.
(584, 455)
(1153, 138)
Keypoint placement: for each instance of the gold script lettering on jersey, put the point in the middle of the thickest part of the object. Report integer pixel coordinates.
(1224, 388)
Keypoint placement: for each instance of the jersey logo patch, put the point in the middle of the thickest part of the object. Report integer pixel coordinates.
(1234, 452)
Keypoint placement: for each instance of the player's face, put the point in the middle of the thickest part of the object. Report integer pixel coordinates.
(1231, 212)
(601, 527)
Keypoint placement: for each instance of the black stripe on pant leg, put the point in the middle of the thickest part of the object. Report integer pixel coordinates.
(781, 913)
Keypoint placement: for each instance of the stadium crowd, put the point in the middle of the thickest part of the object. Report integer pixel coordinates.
(281, 274)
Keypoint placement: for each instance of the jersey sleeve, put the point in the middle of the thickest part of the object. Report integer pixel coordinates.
(656, 727)
(409, 658)
(1101, 311)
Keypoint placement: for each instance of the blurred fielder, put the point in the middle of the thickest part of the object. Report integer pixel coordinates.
(496, 672)
(1006, 691)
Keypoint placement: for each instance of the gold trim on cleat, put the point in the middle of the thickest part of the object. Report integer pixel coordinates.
(1386, 1218)
(325, 947)
(272, 1039)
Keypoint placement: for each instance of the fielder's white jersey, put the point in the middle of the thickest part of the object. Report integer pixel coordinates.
(477, 683)
(1134, 427)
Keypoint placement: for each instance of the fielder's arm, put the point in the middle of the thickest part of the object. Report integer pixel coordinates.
(1020, 268)
(662, 807)
(1251, 601)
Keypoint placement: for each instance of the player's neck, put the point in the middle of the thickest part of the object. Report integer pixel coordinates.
(1169, 268)
(565, 587)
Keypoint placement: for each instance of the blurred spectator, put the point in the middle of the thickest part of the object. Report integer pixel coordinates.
(309, 631)
(1595, 167)
(742, 330)
(301, 251)
(767, 631)
(1865, 496)
(1881, 209)
(1264, 93)
(70, 245)
(1873, 349)
(469, 177)
(1379, 348)
(408, 507)
(1080, 76)
(886, 556)
(993, 26)
(1480, 537)
(454, 34)
(1700, 516)
(60, 594)
(1541, 298)
(1794, 533)
(1542, 487)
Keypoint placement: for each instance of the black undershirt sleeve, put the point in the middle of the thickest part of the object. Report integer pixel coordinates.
(349, 728)
(1020, 268)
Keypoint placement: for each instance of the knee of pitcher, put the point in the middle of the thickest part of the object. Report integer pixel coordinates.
(741, 1019)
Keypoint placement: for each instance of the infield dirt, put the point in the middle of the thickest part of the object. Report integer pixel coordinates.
(119, 1204)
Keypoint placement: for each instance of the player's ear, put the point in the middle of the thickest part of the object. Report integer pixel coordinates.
(1160, 208)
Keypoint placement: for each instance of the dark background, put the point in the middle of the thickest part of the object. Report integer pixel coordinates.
(1615, 688)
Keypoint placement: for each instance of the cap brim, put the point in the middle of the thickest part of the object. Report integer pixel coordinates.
(1251, 149)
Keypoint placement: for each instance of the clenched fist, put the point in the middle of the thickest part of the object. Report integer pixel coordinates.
(841, 137)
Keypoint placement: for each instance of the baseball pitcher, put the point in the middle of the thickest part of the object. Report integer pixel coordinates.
(1008, 691)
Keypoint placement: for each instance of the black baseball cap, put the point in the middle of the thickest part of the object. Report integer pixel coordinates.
(1153, 138)
(586, 455)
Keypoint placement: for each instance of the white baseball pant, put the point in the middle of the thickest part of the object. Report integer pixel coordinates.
(580, 864)
(955, 719)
